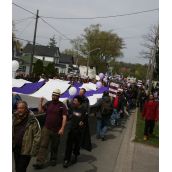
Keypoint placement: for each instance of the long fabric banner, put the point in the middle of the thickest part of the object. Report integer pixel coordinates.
(32, 92)
(19, 82)
(28, 88)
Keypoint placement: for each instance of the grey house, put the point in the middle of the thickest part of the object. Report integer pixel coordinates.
(63, 63)
(66, 64)
(46, 53)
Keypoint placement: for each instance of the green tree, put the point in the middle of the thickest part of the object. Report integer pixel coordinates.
(50, 70)
(38, 68)
(110, 45)
(52, 42)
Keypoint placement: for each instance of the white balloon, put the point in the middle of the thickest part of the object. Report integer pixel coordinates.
(72, 91)
(15, 65)
(97, 78)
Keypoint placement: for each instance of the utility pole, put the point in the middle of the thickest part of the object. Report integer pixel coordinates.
(88, 59)
(34, 40)
(88, 62)
(153, 59)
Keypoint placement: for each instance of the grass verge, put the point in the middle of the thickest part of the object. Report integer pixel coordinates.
(153, 140)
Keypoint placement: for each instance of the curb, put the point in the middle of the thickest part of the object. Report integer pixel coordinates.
(124, 161)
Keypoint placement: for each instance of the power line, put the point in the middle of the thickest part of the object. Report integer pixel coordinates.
(26, 40)
(28, 24)
(44, 22)
(17, 20)
(100, 17)
(55, 29)
(21, 21)
(23, 8)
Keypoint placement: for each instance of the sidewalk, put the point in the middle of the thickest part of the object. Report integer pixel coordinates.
(136, 157)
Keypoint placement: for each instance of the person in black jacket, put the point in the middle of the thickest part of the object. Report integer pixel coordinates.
(104, 110)
(86, 138)
(85, 101)
(76, 125)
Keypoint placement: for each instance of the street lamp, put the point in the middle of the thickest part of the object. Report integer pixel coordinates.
(89, 57)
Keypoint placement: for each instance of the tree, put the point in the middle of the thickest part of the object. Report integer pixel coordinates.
(52, 42)
(50, 70)
(156, 70)
(38, 68)
(151, 44)
(110, 45)
(127, 69)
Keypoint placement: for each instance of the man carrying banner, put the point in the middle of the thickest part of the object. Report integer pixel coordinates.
(56, 117)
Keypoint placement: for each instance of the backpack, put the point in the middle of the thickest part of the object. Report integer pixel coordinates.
(106, 108)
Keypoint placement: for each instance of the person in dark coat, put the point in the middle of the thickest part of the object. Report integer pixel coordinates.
(104, 110)
(76, 126)
(86, 137)
(85, 101)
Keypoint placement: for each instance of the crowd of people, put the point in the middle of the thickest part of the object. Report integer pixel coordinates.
(29, 139)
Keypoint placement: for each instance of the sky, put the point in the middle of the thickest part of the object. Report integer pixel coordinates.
(131, 28)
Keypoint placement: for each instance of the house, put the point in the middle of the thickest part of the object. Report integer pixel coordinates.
(46, 53)
(63, 62)
(66, 64)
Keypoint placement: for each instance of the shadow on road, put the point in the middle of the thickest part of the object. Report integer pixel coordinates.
(110, 136)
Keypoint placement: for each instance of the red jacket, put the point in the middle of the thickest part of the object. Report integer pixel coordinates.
(150, 111)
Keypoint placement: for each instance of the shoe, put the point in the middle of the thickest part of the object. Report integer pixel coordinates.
(53, 162)
(74, 160)
(103, 138)
(38, 166)
(145, 138)
(66, 164)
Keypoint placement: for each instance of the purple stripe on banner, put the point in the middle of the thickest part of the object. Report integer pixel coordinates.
(29, 88)
(66, 93)
(87, 94)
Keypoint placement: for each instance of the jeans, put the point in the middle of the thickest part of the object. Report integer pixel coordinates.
(102, 126)
(114, 117)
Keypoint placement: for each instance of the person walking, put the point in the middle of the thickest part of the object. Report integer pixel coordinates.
(55, 122)
(104, 110)
(26, 136)
(86, 137)
(117, 110)
(85, 101)
(76, 126)
(150, 114)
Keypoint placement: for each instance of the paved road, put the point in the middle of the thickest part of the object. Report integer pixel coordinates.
(103, 157)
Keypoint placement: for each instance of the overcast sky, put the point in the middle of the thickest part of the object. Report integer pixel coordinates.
(130, 28)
